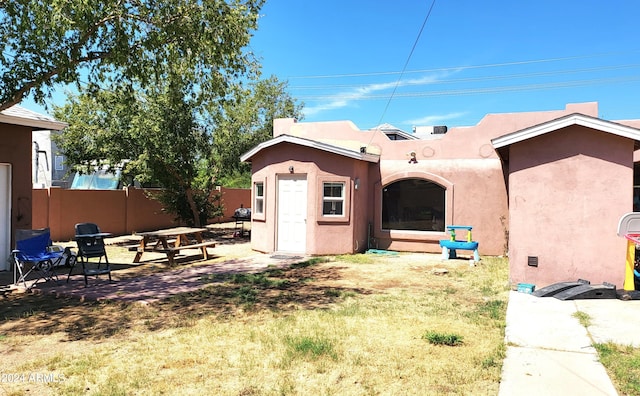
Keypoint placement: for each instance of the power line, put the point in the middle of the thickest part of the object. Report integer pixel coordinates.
(472, 79)
(406, 63)
(445, 69)
(473, 91)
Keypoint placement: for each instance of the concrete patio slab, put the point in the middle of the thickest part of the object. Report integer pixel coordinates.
(614, 321)
(545, 322)
(549, 352)
(535, 372)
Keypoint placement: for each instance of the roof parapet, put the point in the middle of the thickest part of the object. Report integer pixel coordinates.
(282, 126)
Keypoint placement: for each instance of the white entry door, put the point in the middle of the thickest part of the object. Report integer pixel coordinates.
(292, 213)
(5, 216)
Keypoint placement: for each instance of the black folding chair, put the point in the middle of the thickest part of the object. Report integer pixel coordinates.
(35, 256)
(91, 245)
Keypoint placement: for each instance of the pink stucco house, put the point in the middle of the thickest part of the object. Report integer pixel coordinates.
(16, 147)
(546, 187)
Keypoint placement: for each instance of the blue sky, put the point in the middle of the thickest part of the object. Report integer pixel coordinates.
(345, 59)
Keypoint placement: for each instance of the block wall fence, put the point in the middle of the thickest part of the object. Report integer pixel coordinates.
(119, 212)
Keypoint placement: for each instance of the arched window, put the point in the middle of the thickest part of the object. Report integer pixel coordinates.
(413, 205)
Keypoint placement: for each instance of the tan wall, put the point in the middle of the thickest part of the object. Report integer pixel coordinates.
(16, 150)
(117, 211)
(475, 196)
(463, 161)
(233, 198)
(323, 236)
(567, 191)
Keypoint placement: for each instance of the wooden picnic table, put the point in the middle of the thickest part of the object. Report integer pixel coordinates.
(162, 241)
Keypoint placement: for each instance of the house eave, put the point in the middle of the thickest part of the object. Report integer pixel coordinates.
(566, 121)
(311, 144)
(17, 115)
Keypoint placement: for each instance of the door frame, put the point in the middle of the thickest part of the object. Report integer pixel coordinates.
(279, 178)
(5, 216)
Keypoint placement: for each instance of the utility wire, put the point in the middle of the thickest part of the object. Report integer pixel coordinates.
(471, 79)
(489, 65)
(485, 90)
(406, 63)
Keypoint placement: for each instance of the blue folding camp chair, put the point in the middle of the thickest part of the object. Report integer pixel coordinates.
(33, 257)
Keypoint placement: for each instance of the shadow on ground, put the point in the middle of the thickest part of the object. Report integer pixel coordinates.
(300, 286)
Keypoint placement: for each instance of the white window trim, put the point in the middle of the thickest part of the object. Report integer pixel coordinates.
(59, 162)
(341, 198)
(255, 215)
(258, 198)
(346, 199)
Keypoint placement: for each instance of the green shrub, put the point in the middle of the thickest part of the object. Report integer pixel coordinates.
(436, 338)
(311, 346)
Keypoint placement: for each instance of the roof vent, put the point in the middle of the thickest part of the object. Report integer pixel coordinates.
(430, 130)
(439, 130)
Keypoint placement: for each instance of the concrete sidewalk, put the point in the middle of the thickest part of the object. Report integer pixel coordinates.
(550, 353)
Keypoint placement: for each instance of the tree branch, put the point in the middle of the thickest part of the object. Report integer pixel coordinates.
(47, 76)
(20, 94)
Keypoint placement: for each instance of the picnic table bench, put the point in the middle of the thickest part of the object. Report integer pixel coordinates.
(171, 241)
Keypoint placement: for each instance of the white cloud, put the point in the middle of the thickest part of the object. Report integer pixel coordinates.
(370, 91)
(335, 104)
(435, 119)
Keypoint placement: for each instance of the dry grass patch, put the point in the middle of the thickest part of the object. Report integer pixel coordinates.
(623, 365)
(352, 325)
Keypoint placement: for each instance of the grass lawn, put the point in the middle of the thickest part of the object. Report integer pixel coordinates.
(346, 325)
(623, 365)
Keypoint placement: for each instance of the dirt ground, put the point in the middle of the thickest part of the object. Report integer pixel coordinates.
(57, 324)
(299, 286)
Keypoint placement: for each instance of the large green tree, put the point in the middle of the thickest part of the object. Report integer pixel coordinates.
(174, 153)
(244, 120)
(155, 137)
(164, 136)
(131, 42)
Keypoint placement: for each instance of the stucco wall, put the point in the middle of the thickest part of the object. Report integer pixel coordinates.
(568, 189)
(463, 161)
(322, 236)
(16, 150)
(475, 195)
(115, 211)
(232, 198)
(140, 212)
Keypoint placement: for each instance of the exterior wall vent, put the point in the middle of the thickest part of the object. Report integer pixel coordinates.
(532, 261)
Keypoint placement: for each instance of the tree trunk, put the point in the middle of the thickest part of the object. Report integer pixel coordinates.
(194, 208)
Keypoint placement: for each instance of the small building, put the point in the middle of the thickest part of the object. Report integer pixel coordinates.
(570, 182)
(547, 188)
(16, 148)
(49, 164)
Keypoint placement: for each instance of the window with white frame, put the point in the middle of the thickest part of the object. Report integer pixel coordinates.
(333, 199)
(258, 206)
(59, 162)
